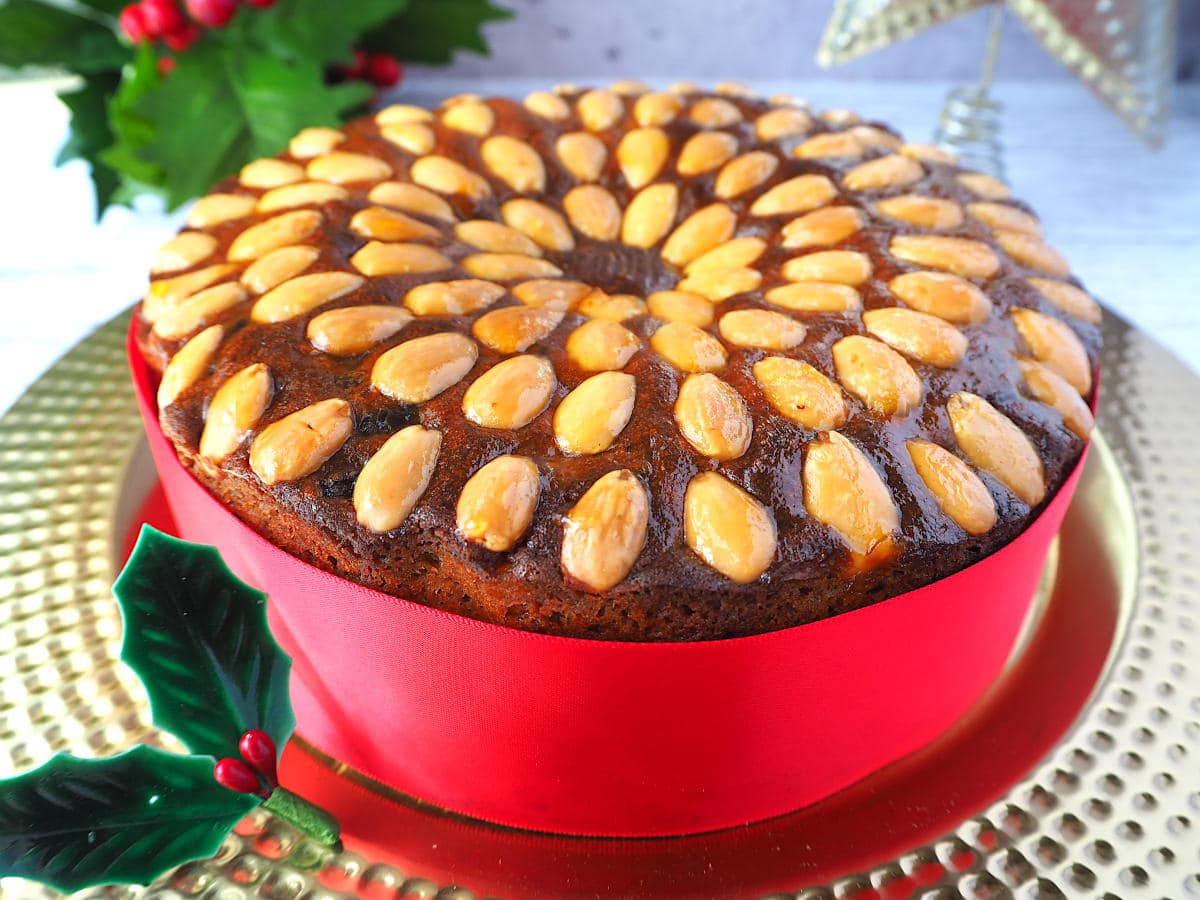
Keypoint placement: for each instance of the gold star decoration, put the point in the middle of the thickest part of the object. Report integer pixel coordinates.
(1122, 49)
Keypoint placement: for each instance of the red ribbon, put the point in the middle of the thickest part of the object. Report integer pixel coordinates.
(617, 739)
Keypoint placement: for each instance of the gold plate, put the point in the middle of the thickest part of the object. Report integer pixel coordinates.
(1113, 809)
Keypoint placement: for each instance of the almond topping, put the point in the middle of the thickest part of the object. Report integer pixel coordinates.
(700, 232)
(582, 154)
(449, 177)
(843, 490)
(183, 251)
(823, 227)
(399, 113)
(413, 199)
(278, 266)
(386, 225)
(484, 234)
(188, 364)
(304, 193)
(933, 213)
(649, 215)
(452, 298)
(993, 443)
(509, 266)
(547, 228)
(594, 212)
(600, 110)
(721, 284)
(269, 173)
(734, 254)
(300, 443)
(282, 230)
(1068, 298)
(713, 417)
(984, 186)
(877, 375)
(796, 195)
(311, 142)
(547, 105)
(234, 409)
(377, 258)
(832, 266)
(420, 369)
(167, 293)
(688, 348)
(871, 137)
(641, 154)
(302, 295)
(761, 329)
(885, 172)
(472, 116)
(612, 307)
(1032, 252)
(347, 168)
(511, 394)
(928, 153)
(599, 345)
(943, 295)
(745, 173)
(704, 152)
(782, 123)
(801, 393)
(589, 418)
(605, 531)
(396, 477)
(1001, 215)
(515, 163)
(815, 296)
(1049, 387)
(679, 306)
(217, 208)
(355, 329)
(198, 310)
(714, 112)
(958, 491)
(727, 528)
(656, 109)
(497, 503)
(551, 294)
(840, 118)
(1054, 343)
(832, 145)
(513, 329)
(925, 338)
(960, 256)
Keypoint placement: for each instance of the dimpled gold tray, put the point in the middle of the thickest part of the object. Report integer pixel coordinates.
(1113, 810)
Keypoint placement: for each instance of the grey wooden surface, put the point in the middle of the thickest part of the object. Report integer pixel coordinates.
(1128, 219)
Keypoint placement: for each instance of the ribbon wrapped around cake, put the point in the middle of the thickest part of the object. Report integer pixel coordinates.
(608, 738)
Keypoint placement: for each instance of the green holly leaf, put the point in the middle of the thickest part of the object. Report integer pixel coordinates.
(197, 637)
(317, 29)
(90, 132)
(73, 823)
(76, 38)
(429, 31)
(132, 129)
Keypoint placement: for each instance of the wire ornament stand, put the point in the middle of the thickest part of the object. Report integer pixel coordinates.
(969, 123)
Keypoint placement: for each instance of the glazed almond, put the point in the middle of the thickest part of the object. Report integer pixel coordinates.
(412, 199)
(612, 307)
(641, 154)
(605, 531)
(188, 364)
(782, 123)
(547, 105)
(310, 142)
(649, 215)
(1068, 298)
(885, 172)
(831, 145)
(714, 112)
(941, 294)
(959, 256)
(582, 154)
(509, 266)
(346, 168)
(496, 505)
(166, 294)
(843, 490)
(445, 176)
(801, 393)
(511, 394)
(514, 329)
(599, 345)
(744, 173)
(985, 186)
(796, 195)
(302, 295)
(398, 113)
(919, 335)
(471, 116)
(234, 409)
(593, 211)
(416, 138)
(1032, 252)
(420, 369)
(305, 193)
(680, 306)
(218, 208)
(300, 443)
(387, 225)
(823, 227)
(1003, 216)
(377, 258)
(355, 329)
(993, 443)
(395, 478)
(656, 109)
(183, 251)
(493, 237)
(958, 491)
(698, 233)
(591, 417)
(547, 228)
(832, 266)
(199, 310)
(599, 110)
(269, 173)
(705, 152)
(1054, 344)
(514, 162)
(688, 348)
(452, 298)
(877, 375)
(713, 417)
(280, 231)
(733, 254)
(720, 284)
(727, 528)
(934, 213)
(1049, 387)
(815, 296)
(761, 329)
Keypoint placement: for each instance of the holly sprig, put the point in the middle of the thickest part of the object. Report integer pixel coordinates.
(197, 637)
(171, 98)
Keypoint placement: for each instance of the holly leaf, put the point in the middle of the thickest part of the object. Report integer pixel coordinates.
(197, 637)
(429, 31)
(317, 29)
(90, 132)
(132, 129)
(38, 34)
(74, 823)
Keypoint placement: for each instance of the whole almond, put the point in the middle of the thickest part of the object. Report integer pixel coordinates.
(680, 306)
(714, 112)
(376, 258)
(509, 266)
(547, 105)
(514, 329)
(700, 232)
(599, 110)
(796, 195)
(593, 211)
(388, 225)
(217, 208)
(1003, 216)
(843, 490)
(167, 293)
(497, 503)
(995, 444)
(280, 231)
(234, 409)
(591, 417)
(733, 254)
(713, 417)
(199, 310)
(801, 393)
(891, 171)
(346, 168)
(493, 237)
(761, 329)
(831, 266)
(545, 225)
(985, 186)
(641, 154)
(582, 154)
(552, 293)
(302, 295)
(355, 329)
(649, 215)
(515, 163)
(396, 477)
(929, 153)
(960, 256)
(269, 173)
(420, 369)
(189, 363)
(472, 116)
(511, 394)
(444, 175)
(721, 284)
(1049, 387)
(1054, 344)
(1068, 298)
(727, 528)
(605, 531)
(779, 124)
(278, 266)
(413, 199)
(831, 145)
(919, 335)
(398, 113)
(941, 294)
(183, 251)
(1033, 253)
(452, 298)
(705, 152)
(688, 348)
(823, 227)
(958, 491)
(934, 213)
(599, 345)
(877, 375)
(416, 138)
(300, 443)
(612, 307)
(815, 296)
(658, 108)
(304, 193)
(310, 142)
(744, 173)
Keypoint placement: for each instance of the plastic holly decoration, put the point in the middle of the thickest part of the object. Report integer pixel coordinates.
(198, 639)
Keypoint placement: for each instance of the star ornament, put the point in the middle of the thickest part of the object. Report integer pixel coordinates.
(1122, 49)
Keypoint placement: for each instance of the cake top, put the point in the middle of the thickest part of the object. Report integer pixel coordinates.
(669, 338)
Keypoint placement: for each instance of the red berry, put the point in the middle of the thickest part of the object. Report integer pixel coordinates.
(358, 69)
(258, 749)
(260, 4)
(133, 23)
(212, 13)
(182, 37)
(383, 71)
(161, 17)
(237, 776)
(166, 65)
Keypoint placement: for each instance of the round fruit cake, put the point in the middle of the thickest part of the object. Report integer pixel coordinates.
(623, 364)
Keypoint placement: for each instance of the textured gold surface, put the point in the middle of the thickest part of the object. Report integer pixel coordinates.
(1114, 810)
